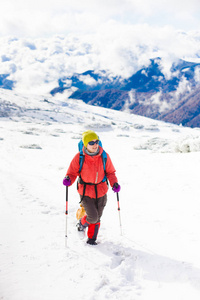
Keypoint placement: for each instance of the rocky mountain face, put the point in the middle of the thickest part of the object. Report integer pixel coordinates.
(150, 92)
(186, 112)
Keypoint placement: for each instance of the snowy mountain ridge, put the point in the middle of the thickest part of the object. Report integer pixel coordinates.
(145, 78)
(172, 97)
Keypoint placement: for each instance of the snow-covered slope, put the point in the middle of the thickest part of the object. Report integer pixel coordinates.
(133, 69)
(157, 164)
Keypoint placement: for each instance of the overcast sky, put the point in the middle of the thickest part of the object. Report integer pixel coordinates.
(42, 18)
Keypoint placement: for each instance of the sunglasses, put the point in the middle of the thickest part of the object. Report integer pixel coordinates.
(92, 143)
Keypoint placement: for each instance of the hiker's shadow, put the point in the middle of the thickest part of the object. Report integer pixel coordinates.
(151, 266)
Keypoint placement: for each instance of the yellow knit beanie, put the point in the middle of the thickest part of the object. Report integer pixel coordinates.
(89, 136)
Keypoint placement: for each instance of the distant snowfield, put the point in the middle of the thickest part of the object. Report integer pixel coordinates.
(157, 164)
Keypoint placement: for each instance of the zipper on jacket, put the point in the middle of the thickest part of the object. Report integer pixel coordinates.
(96, 177)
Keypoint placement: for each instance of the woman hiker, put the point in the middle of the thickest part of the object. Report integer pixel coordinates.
(92, 183)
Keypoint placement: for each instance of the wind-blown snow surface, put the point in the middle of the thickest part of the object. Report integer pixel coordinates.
(157, 164)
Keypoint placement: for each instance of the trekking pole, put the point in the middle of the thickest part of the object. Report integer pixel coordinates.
(66, 213)
(120, 223)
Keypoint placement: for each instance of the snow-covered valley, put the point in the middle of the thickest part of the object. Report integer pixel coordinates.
(157, 164)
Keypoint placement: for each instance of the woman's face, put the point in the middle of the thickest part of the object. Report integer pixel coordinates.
(93, 148)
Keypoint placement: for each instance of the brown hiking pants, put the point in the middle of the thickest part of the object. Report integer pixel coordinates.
(94, 208)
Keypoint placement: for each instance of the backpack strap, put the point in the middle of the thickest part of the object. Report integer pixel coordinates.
(82, 156)
(104, 159)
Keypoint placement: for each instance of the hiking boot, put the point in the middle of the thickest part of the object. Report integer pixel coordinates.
(79, 226)
(91, 242)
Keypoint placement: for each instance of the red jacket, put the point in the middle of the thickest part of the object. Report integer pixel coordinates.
(92, 172)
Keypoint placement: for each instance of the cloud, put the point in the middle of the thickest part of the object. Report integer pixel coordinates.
(121, 49)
